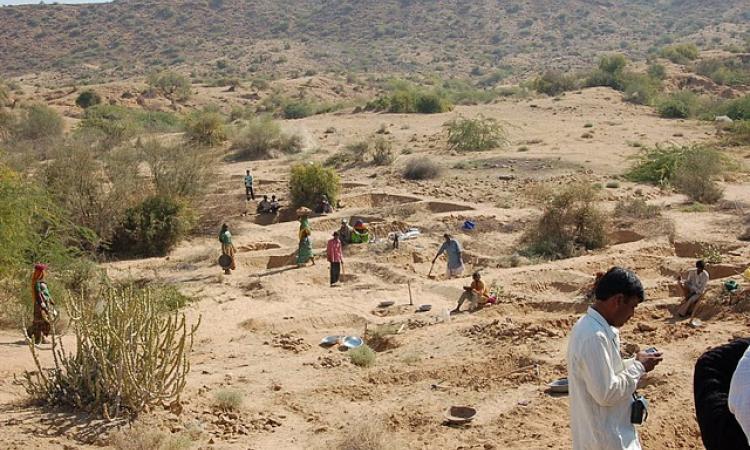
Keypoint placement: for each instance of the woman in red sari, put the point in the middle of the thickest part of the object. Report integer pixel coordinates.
(44, 306)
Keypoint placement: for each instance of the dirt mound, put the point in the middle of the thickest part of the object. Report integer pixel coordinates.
(376, 200)
(258, 246)
(516, 333)
(288, 341)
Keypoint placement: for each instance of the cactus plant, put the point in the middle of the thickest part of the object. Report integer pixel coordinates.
(129, 355)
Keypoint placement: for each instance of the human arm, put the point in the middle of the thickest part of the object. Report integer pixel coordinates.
(440, 251)
(597, 370)
(739, 393)
(711, 385)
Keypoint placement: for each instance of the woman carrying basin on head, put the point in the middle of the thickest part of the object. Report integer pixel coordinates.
(304, 250)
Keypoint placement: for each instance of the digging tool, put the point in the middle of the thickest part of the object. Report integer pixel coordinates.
(429, 274)
(411, 301)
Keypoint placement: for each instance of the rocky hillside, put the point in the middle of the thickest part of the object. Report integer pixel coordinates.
(451, 37)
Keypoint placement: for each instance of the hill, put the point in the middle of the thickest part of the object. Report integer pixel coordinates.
(100, 42)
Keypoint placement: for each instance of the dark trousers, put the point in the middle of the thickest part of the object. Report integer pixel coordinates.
(335, 272)
(249, 192)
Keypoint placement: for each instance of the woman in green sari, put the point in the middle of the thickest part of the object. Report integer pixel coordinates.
(305, 250)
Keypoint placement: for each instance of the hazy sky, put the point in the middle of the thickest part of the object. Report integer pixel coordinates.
(26, 2)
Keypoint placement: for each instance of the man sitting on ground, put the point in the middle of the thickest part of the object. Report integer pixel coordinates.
(345, 232)
(324, 207)
(692, 289)
(264, 207)
(477, 294)
(275, 205)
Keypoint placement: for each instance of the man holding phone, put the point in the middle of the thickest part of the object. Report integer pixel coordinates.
(601, 384)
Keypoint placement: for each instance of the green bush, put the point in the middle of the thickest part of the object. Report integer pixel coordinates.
(731, 72)
(737, 109)
(408, 99)
(738, 133)
(257, 139)
(39, 122)
(205, 127)
(87, 99)
(479, 134)
(421, 169)
(432, 103)
(570, 223)
(298, 110)
(640, 89)
(612, 64)
(554, 83)
(680, 53)
(657, 71)
(308, 182)
(151, 228)
(117, 123)
(656, 165)
(172, 85)
(691, 169)
(678, 105)
(362, 356)
(33, 228)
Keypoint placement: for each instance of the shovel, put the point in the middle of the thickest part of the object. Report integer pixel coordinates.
(430, 275)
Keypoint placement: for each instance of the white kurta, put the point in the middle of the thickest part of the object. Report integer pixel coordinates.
(739, 393)
(601, 387)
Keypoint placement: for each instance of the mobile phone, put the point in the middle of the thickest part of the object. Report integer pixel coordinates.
(651, 350)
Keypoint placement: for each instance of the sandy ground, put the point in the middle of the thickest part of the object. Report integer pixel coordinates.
(261, 325)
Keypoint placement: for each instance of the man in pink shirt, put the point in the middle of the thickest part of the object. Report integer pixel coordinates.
(335, 256)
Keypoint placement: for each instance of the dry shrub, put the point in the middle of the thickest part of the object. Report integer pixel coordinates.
(695, 176)
(229, 399)
(636, 208)
(260, 138)
(141, 437)
(95, 190)
(366, 434)
(570, 223)
(362, 356)
(129, 355)
(382, 152)
(178, 170)
(421, 169)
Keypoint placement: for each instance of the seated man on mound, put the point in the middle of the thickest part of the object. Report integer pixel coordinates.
(264, 207)
(477, 294)
(275, 205)
(692, 289)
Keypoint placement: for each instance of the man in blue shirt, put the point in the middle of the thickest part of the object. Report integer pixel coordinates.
(249, 186)
(453, 250)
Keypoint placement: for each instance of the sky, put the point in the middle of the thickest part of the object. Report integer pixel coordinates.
(33, 2)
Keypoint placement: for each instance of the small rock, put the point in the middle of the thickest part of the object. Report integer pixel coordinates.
(645, 327)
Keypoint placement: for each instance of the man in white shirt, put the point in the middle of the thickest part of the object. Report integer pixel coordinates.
(600, 383)
(692, 289)
(739, 393)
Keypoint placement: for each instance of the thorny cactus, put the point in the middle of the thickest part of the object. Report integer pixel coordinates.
(129, 355)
